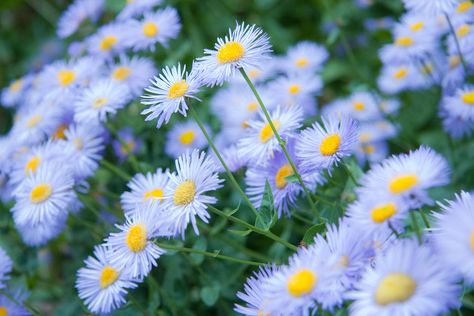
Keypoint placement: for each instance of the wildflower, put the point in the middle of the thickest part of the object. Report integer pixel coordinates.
(134, 8)
(305, 56)
(14, 307)
(183, 137)
(77, 13)
(135, 72)
(433, 7)
(6, 265)
(110, 40)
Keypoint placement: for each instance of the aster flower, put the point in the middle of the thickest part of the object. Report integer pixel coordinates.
(77, 13)
(253, 294)
(14, 93)
(461, 103)
(463, 12)
(36, 235)
(406, 177)
(111, 39)
(168, 92)
(244, 47)
(103, 97)
(101, 284)
(44, 196)
(183, 137)
(144, 188)
(132, 247)
(6, 265)
(407, 280)
(433, 7)
(373, 152)
(156, 27)
(12, 307)
(185, 194)
(135, 72)
(395, 78)
(322, 146)
(360, 105)
(134, 8)
(456, 126)
(305, 56)
(454, 235)
(259, 143)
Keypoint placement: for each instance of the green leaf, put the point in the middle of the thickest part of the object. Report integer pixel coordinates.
(240, 232)
(232, 212)
(266, 215)
(210, 294)
(291, 179)
(309, 235)
(154, 299)
(200, 244)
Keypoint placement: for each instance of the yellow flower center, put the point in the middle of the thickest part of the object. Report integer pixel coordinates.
(184, 193)
(253, 73)
(127, 147)
(121, 73)
(404, 41)
(365, 137)
(266, 133)
(230, 52)
(252, 106)
(40, 193)
(472, 241)
(330, 144)
(16, 85)
(78, 143)
(294, 89)
(245, 124)
(136, 238)
(178, 89)
(108, 276)
(66, 77)
(382, 213)
(395, 288)
(32, 165)
(108, 42)
(343, 261)
(3, 311)
(468, 97)
(368, 149)
(99, 102)
(464, 6)
(302, 282)
(358, 106)
(59, 133)
(454, 61)
(400, 73)
(417, 26)
(262, 313)
(35, 119)
(301, 62)
(150, 29)
(403, 183)
(153, 194)
(281, 174)
(463, 30)
(187, 137)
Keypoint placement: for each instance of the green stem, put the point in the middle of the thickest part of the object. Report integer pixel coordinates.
(349, 173)
(209, 254)
(394, 231)
(253, 228)
(114, 169)
(281, 142)
(227, 170)
(31, 309)
(416, 227)
(456, 41)
(130, 156)
(425, 218)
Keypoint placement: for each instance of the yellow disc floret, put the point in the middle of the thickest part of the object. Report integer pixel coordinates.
(187, 138)
(136, 237)
(153, 194)
(266, 133)
(302, 282)
(468, 97)
(32, 165)
(404, 41)
(230, 52)
(40, 193)
(330, 144)
(121, 73)
(381, 213)
(184, 193)
(108, 276)
(395, 288)
(108, 42)
(66, 77)
(282, 173)
(150, 29)
(178, 89)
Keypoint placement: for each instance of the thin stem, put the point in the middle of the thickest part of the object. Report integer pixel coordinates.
(31, 309)
(281, 142)
(114, 169)
(416, 227)
(394, 231)
(425, 218)
(227, 170)
(209, 254)
(130, 156)
(253, 228)
(456, 41)
(349, 173)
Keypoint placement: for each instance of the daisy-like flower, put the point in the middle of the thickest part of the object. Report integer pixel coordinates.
(185, 194)
(407, 280)
(463, 12)
(156, 27)
(103, 97)
(14, 93)
(376, 131)
(372, 152)
(253, 294)
(247, 46)
(144, 188)
(111, 39)
(456, 126)
(454, 235)
(322, 146)
(432, 7)
(305, 56)
(360, 105)
(461, 104)
(132, 247)
(12, 307)
(101, 284)
(168, 93)
(36, 235)
(6, 265)
(77, 13)
(183, 137)
(44, 196)
(135, 72)
(395, 78)
(406, 177)
(465, 37)
(259, 143)
(127, 144)
(295, 289)
(134, 8)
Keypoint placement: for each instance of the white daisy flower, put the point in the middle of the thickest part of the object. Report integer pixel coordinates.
(155, 27)
(259, 142)
(184, 137)
(101, 284)
(185, 194)
(76, 13)
(135, 72)
(244, 47)
(44, 196)
(102, 98)
(322, 146)
(133, 249)
(407, 279)
(6, 265)
(168, 93)
(144, 188)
